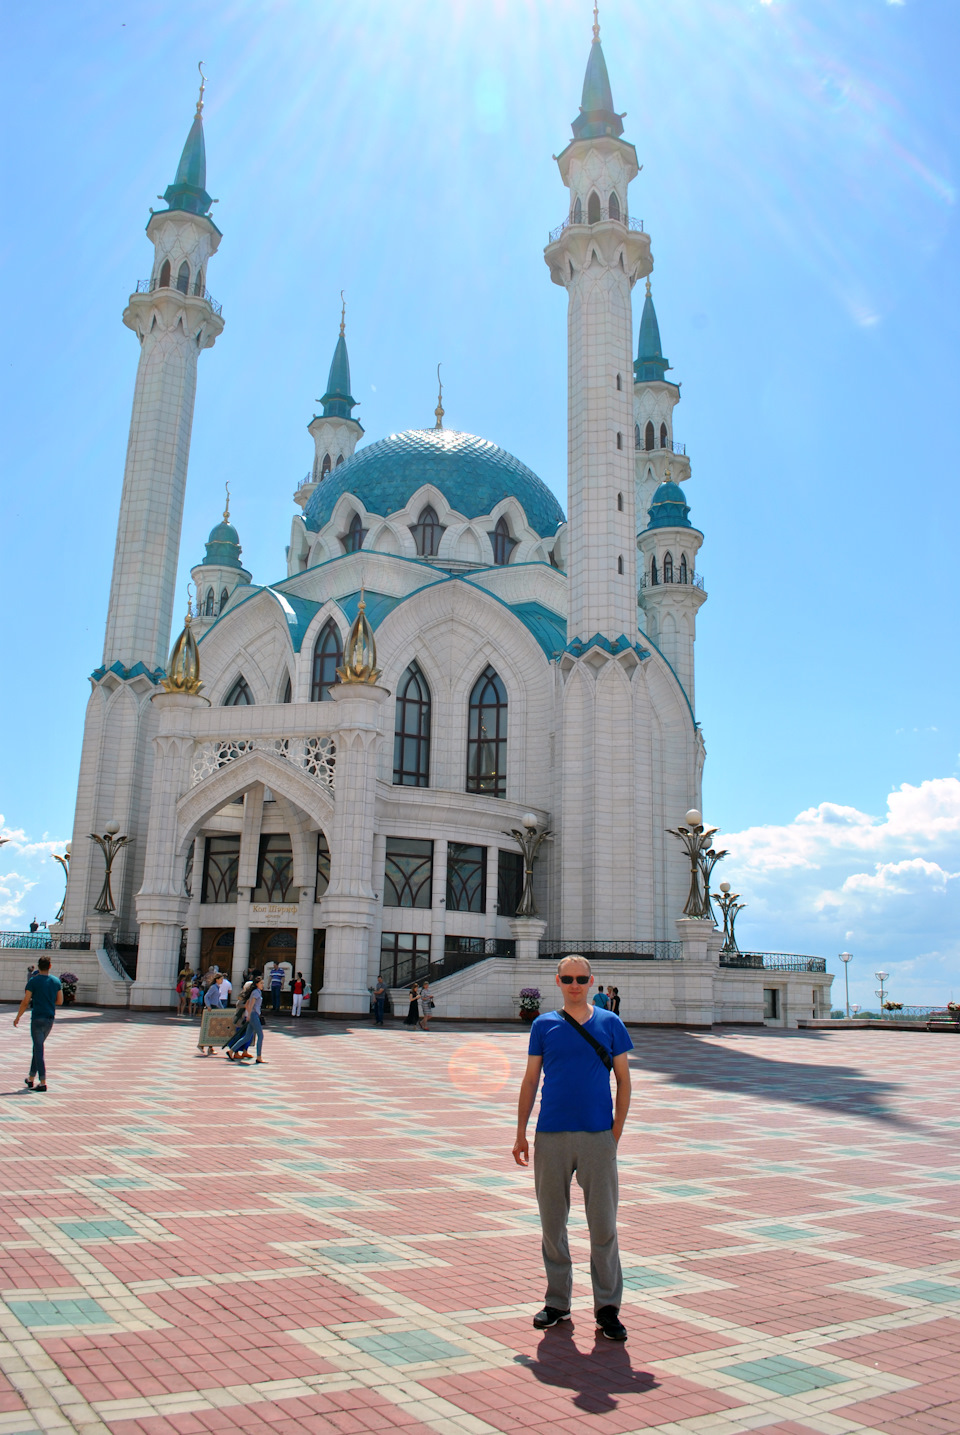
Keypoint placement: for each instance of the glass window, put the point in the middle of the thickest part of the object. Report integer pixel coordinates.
(663, 435)
(221, 863)
(593, 208)
(275, 869)
(404, 957)
(164, 280)
(355, 534)
(683, 568)
(654, 580)
(503, 544)
(239, 695)
(198, 283)
(668, 568)
(466, 878)
(183, 278)
(287, 691)
(208, 604)
(327, 658)
(411, 741)
(487, 736)
(224, 598)
(326, 466)
(408, 874)
(509, 883)
(648, 436)
(578, 211)
(636, 436)
(323, 866)
(427, 532)
(771, 1003)
(614, 206)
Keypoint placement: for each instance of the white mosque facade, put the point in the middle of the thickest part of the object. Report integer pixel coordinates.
(531, 667)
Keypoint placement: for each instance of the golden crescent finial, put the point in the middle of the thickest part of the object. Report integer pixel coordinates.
(439, 409)
(203, 81)
(343, 314)
(226, 511)
(189, 603)
(596, 24)
(648, 286)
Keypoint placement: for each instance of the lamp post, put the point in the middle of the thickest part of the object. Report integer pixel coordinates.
(109, 845)
(65, 864)
(529, 842)
(846, 958)
(881, 978)
(695, 839)
(729, 904)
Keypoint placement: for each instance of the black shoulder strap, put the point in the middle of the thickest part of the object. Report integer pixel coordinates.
(601, 1051)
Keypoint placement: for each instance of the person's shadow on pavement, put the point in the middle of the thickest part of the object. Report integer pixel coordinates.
(596, 1375)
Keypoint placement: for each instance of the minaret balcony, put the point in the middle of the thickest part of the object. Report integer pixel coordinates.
(627, 220)
(690, 580)
(670, 447)
(149, 286)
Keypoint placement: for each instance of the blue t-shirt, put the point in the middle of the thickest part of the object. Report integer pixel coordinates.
(576, 1085)
(43, 990)
(277, 975)
(602, 1001)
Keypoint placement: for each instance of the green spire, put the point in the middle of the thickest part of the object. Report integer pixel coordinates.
(338, 402)
(651, 364)
(597, 115)
(188, 191)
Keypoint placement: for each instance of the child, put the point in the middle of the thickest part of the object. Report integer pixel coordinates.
(195, 1003)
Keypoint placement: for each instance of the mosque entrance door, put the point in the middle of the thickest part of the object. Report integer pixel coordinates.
(216, 948)
(269, 945)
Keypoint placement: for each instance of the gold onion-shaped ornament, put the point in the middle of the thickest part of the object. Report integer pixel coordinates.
(183, 669)
(360, 659)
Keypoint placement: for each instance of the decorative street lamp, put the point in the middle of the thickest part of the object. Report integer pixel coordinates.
(65, 864)
(109, 845)
(729, 904)
(529, 842)
(846, 958)
(881, 978)
(695, 839)
(855, 1008)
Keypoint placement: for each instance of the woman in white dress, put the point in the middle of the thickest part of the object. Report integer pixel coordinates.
(426, 1006)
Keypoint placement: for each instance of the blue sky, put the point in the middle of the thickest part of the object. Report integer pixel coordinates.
(799, 183)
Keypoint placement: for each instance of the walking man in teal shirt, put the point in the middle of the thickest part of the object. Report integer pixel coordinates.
(43, 995)
(578, 1130)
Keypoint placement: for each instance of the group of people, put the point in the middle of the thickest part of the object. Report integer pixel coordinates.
(421, 1006)
(213, 988)
(608, 1000)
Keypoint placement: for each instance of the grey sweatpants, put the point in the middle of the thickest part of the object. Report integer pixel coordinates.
(591, 1156)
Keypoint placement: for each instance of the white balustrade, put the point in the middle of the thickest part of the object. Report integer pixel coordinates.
(315, 755)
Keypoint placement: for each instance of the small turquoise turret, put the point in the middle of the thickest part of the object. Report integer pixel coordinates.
(597, 116)
(650, 365)
(220, 572)
(335, 434)
(188, 192)
(338, 402)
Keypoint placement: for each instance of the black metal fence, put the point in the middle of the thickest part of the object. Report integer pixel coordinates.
(639, 950)
(147, 286)
(458, 954)
(773, 961)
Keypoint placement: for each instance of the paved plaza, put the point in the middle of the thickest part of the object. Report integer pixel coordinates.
(339, 1240)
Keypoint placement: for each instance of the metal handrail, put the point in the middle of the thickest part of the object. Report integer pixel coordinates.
(114, 957)
(692, 580)
(670, 447)
(44, 941)
(627, 220)
(147, 286)
(641, 949)
(774, 961)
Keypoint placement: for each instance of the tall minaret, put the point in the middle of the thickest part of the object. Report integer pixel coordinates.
(598, 255)
(174, 318)
(335, 431)
(654, 399)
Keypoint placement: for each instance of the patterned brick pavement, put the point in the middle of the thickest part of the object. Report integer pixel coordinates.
(339, 1241)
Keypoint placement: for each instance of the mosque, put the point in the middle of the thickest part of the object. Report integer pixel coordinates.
(339, 768)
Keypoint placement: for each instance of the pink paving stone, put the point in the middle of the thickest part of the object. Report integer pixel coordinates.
(692, 1088)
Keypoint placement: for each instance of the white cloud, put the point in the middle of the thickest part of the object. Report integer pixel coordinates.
(29, 868)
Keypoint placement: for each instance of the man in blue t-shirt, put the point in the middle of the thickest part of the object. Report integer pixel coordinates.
(277, 975)
(577, 1134)
(43, 995)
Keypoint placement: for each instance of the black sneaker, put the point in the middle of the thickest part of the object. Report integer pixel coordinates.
(28, 1081)
(41, 1086)
(549, 1316)
(609, 1324)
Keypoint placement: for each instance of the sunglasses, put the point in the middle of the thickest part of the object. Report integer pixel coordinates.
(580, 981)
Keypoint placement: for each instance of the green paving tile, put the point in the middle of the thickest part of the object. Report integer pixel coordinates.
(120, 1183)
(487, 1181)
(784, 1375)
(639, 1278)
(96, 1230)
(359, 1254)
(328, 1203)
(780, 1233)
(871, 1198)
(317, 1165)
(453, 1153)
(408, 1347)
(932, 1291)
(681, 1190)
(82, 1311)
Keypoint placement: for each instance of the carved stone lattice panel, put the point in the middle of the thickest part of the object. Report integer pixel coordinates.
(315, 755)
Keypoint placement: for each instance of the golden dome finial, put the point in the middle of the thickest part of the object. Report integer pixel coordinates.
(183, 669)
(226, 511)
(360, 658)
(203, 82)
(648, 286)
(596, 24)
(439, 409)
(343, 315)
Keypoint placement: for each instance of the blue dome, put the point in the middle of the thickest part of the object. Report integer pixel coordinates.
(472, 474)
(223, 546)
(669, 507)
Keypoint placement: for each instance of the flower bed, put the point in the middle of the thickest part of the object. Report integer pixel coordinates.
(529, 1003)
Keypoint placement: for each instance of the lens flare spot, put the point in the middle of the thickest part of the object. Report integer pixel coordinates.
(478, 1068)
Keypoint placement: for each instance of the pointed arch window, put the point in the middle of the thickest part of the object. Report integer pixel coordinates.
(164, 280)
(663, 435)
(339, 460)
(239, 695)
(198, 283)
(427, 532)
(327, 658)
(619, 440)
(411, 741)
(636, 436)
(503, 544)
(354, 536)
(593, 208)
(224, 599)
(578, 212)
(654, 580)
(614, 206)
(208, 604)
(620, 563)
(183, 278)
(326, 466)
(683, 569)
(619, 502)
(649, 440)
(668, 568)
(619, 384)
(287, 696)
(487, 736)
